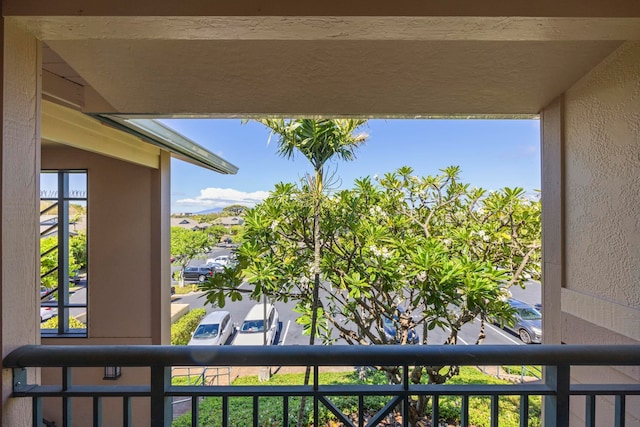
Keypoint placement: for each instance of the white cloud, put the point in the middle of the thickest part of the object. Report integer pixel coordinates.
(222, 197)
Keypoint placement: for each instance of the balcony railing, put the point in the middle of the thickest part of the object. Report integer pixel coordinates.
(556, 388)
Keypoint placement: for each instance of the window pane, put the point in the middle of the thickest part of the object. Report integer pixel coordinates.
(63, 230)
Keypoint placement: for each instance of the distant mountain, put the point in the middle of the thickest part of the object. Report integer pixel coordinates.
(208, 211)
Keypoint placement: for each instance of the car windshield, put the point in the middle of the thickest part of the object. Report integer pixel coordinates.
(252, 326)
(206, 331)
(528, 313)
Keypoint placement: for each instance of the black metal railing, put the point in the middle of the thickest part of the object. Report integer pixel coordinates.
(556, 388)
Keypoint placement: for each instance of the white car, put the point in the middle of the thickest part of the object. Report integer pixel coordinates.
(253, 330)
(47, 313)
(214, 329)
(222, 260)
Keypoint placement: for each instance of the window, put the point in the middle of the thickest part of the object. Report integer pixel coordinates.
(63, 253)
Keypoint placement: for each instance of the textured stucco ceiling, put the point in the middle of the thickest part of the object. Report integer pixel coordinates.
(406, 63)
(330, 77)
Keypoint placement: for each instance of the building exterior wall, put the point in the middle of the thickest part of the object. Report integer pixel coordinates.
(602, 201)
(601, 291)
(19, 189)
(127, 302)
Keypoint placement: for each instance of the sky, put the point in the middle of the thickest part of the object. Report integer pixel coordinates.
(492, 154)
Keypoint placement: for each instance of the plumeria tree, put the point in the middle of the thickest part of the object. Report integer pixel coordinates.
(425, 253)
(319, 140)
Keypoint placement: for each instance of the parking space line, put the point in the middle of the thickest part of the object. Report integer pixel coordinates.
(501, 332)
(286, 331)
(458, 337)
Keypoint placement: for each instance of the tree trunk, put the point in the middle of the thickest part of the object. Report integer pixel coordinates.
(315, 298)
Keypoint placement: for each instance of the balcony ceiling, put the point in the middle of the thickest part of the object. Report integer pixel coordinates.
(417, 64)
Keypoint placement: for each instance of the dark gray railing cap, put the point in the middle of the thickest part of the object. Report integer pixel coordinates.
(337, 355)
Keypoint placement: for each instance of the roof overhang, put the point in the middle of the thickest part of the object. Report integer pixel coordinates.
(181, 147)
(365, 58)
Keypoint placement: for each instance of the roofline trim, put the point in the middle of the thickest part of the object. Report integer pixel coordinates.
(160, 135)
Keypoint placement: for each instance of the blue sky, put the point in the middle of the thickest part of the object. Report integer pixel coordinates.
(491, 153)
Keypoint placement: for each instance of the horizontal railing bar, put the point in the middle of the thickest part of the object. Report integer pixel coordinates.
(82, 391)
(481, 389)
(604, 389)
(282, 390)
(334, 390)
(56, 305)
(71, 199)
(150, 355)
(365, 390)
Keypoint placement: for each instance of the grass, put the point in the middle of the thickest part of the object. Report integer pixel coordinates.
(532, 371)
(187, 288)
(270, 409)
(186, 380)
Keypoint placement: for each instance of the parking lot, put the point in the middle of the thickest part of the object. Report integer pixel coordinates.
(290, 333)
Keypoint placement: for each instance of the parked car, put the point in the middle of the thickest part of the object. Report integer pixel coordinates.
(217, 267)
(222, 260)
(47, 313)
(252, 330)
(389, 326)
(215, 329)
(197, 274)
(46, 294)
(527, 322)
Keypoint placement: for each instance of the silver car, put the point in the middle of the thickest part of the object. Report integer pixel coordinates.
(527, 322)
(215, 329)
(253, 330)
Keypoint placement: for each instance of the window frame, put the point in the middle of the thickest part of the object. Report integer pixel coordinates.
(61, 197)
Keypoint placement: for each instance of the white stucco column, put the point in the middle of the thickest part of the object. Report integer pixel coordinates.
(19, 205)
(552, 220)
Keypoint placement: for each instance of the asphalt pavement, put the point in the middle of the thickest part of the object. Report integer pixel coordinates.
(291, 332)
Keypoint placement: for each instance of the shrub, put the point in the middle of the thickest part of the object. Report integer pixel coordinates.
(182, 329)
(53, 323)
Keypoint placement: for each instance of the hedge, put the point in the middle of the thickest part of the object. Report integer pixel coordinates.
(182, 329)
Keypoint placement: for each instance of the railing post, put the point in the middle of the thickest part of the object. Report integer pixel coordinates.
(126, 412)
(590, 410)
(161, 411)
(556, 407)
(66, 401)
(405, 401)
(620, 408)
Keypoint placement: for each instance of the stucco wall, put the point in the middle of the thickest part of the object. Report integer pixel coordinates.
(119, 232)
(601, 293)
(121, 280)
(602, 204)
(19, 157)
